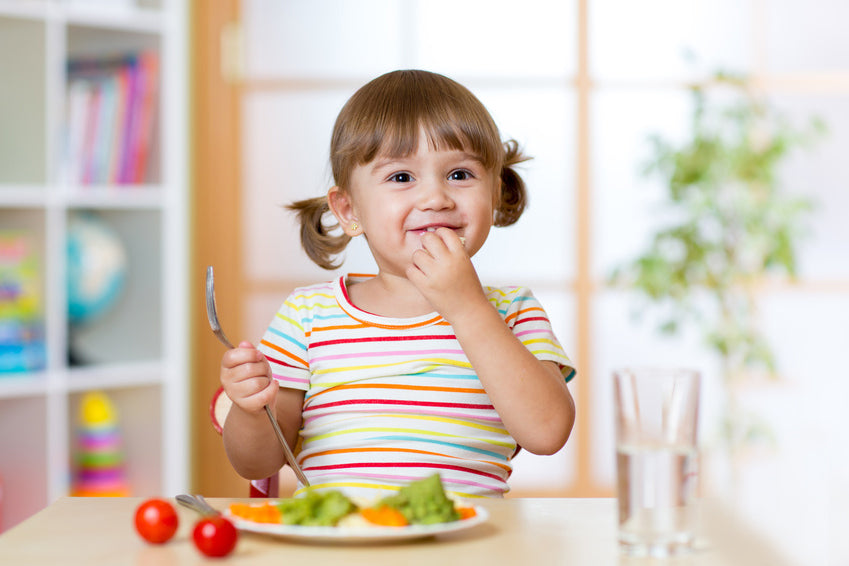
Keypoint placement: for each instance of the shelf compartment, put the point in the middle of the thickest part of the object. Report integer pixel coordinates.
(23, 332)
(139, 424)
(24, 466)
(85, 39)
(112, 108)
(23, 153)
(130, 330)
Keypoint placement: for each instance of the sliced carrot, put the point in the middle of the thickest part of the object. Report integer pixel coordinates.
(240, 510)
(385, 516)
(269, 514)
(466, 512)
(258, 513)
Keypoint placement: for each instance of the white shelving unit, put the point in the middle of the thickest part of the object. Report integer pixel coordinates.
(137, 352)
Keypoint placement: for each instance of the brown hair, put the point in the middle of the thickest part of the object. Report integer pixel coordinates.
(385, 117)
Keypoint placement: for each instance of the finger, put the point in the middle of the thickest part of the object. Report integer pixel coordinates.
(422, 260)
(244, 380)
(252, 393)
(272, 388)
(255, 370)
(237, 356)
(450, 238)
(254, 387)
(433, 242)
(255, 402)
(444, 241)
(267, 394)
(415, 275)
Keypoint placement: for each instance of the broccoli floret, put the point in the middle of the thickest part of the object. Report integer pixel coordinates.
(423, 502)
(316, 509)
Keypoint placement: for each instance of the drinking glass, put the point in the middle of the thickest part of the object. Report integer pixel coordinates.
(656, 459)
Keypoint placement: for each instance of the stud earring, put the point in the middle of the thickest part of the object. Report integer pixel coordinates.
(354, 226)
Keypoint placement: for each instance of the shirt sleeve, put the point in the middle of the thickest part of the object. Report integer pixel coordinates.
(284, 345)
(529, 322)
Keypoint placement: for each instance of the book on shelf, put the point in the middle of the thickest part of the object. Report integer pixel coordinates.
(111, 113)
(22, 345)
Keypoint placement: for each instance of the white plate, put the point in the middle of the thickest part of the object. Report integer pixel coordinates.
(355, 534)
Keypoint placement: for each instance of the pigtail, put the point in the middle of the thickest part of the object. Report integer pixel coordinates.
(318, 239)
(513, 198)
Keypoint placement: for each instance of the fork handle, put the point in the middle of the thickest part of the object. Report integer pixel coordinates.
(287, 452)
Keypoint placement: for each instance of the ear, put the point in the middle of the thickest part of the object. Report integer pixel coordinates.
(342, 208)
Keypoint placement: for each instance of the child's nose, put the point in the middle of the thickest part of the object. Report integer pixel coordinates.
(435, 195)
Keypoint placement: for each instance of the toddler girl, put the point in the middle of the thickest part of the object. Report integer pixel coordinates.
(379, 380)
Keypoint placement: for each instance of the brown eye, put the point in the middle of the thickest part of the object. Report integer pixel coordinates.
(401, 178)
(460, 175)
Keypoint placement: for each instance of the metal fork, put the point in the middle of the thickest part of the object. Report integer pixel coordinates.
(212, 316)
(198, 503)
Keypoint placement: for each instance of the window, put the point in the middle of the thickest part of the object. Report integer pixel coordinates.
(580, 84)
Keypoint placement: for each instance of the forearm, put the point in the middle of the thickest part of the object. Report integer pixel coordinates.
(250, 441)
(531, 396)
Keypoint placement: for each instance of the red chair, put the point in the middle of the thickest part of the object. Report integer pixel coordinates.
(219, 407)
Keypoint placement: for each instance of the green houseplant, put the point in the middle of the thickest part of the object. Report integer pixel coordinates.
(732, 228)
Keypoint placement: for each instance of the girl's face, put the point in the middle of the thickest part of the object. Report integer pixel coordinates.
(394, 200)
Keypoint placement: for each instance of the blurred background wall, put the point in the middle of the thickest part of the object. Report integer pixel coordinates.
(581, 84)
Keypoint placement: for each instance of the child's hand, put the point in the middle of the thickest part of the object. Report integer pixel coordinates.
(444, 274)
(246, 378)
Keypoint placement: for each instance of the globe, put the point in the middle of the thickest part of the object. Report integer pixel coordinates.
(97, 267)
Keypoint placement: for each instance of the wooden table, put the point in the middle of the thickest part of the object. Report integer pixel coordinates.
(524, 532)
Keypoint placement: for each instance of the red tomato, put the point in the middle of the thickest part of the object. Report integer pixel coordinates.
(156, 520)
(215, 536)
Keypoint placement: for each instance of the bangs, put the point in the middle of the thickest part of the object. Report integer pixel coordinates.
(387, 117)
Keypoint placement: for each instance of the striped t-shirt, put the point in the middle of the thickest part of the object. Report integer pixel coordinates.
(388, 401)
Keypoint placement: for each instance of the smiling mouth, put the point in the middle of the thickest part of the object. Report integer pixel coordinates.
(433, 229)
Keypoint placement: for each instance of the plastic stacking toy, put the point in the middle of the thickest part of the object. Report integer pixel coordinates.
(98, 452)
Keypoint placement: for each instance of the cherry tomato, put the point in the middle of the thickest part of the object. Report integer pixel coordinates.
(215, 536)
(156, 520)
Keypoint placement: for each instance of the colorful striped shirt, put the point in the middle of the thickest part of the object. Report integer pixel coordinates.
(388, 401)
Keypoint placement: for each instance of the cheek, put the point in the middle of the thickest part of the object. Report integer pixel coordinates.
(480, 218)
(381, 214)
(485, 207)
